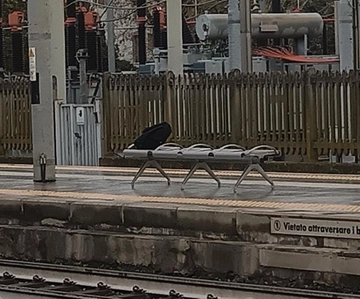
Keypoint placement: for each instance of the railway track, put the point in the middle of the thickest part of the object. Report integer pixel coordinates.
(35, 280)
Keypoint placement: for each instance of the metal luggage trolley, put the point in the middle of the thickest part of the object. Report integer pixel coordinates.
(200, 155)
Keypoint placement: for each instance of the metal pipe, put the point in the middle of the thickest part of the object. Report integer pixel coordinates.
(234, 36)
(267, 25)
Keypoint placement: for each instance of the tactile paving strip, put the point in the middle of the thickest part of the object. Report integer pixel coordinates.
(339, 208)
(348, 178)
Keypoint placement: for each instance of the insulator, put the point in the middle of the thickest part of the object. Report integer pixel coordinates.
(156, 29)
(17, 53)
(80, 18)
(164, 39)
(1, 48)
(141, 14)
(276, 6)
(91, 20)
(100, 41)
(141, 11)
(91, 46)
(187, 37)
(25, 52)
(71, 46)
(70, 33)
(16, 20)
(142, 43)
(70, 9)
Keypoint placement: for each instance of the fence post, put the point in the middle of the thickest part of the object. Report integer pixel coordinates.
(106, 117)
(170, 98)
(2, 150)
(310, 115)
(235, 105)
(2, 117)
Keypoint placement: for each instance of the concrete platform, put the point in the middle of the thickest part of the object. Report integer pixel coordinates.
(320, 192)
(92, 215)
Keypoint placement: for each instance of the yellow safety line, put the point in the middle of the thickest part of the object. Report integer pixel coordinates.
(189, 201)
(279, 175)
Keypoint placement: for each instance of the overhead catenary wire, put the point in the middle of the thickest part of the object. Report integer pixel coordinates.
(105, 6)
(106, 9)
(149, 4)
(199, 4)
(209, 8)
(132, 9)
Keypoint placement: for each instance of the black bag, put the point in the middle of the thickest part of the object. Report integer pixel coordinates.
(153, 136)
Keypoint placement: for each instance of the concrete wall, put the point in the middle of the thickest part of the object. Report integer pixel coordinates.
(172, 238)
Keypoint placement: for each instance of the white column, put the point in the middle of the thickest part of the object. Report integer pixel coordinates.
(58, 65)
(110, 35)
(345, 25)
(174, 36)
(234, 35)
(46, 35)
(245, 36)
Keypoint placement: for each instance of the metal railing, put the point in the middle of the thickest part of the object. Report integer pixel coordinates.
(308, 114)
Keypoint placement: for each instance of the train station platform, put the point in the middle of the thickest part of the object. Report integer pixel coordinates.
(293, 191)
(308, 224)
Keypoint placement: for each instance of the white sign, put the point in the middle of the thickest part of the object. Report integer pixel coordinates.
(315, 228)
(32, 64)
(80, 117)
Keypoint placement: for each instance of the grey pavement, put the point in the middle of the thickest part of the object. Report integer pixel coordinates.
(116, 182)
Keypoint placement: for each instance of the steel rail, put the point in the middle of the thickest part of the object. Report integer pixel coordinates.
(160, 284)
